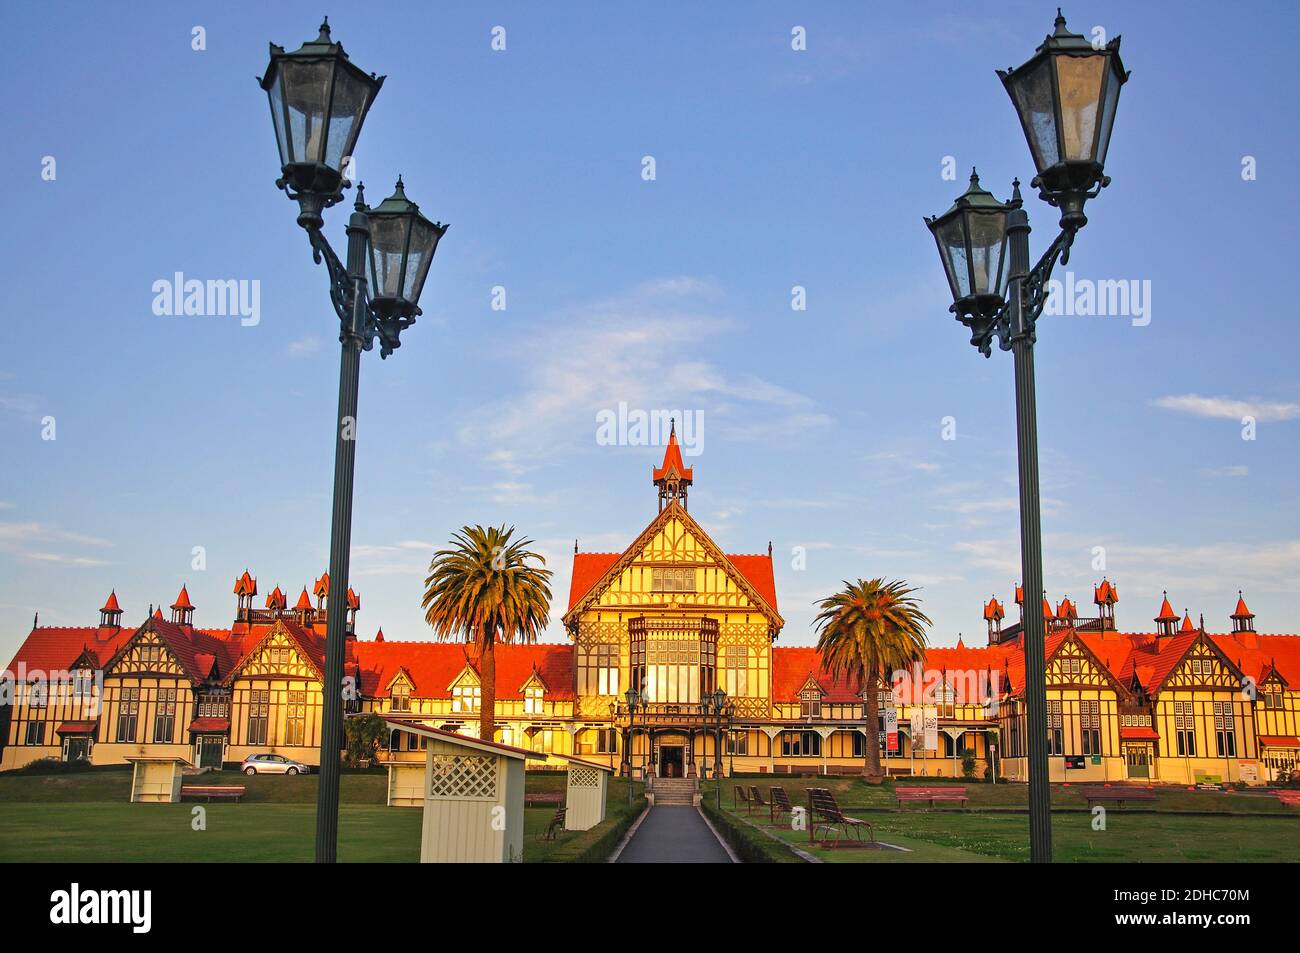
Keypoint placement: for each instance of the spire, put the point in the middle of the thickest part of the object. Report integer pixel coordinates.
(304, 600)
(182, 608)
(674, 476)
(1167, 618)
(110, 616)
(1243, 620)
(276, 600)
(379, 636)
(1187, 623)
(575, 545)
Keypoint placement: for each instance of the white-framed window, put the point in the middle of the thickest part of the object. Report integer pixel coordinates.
(533, 697)
(466, 696)
(1185, 728)
(164, 718)
(810, 703)
(401, 696)
(1225, 730)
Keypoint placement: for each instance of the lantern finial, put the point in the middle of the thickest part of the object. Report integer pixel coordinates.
(325, 30)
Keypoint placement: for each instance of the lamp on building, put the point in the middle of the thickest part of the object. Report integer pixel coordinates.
(319, 100)
(1066, 96)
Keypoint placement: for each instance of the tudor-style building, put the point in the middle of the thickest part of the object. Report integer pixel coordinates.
(673, 617)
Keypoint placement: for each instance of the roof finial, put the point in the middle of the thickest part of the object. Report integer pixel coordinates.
(360, 203)
(36, 618)
(575, 545)
(769, 549)
(672, 426)
(324, 30)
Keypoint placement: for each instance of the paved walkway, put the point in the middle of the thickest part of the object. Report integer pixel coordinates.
(672, 834)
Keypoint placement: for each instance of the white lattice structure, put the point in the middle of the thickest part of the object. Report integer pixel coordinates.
(585, 793)
(473, 797)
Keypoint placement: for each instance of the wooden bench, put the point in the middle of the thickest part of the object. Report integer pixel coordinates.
(224, 792)
(1289, 798)
(1118, 795)
(779, 803)
(756, 798)
(544, 798)
(931, 795)
(741, 795)
(555, 824)
(826, 814)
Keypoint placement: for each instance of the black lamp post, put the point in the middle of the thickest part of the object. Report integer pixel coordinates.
(715, 702)
(1066, 96)
(633, 699)
(319, 99)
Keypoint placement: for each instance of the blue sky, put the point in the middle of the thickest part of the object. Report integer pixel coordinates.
(775, 168)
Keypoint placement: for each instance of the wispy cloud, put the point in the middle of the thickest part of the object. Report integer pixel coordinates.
(1228, 408)
(34, 541)
(306, 346)
(1233, 471)
(643, 348)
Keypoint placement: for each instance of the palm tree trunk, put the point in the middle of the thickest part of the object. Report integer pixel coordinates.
(873, 773)
(487, 724)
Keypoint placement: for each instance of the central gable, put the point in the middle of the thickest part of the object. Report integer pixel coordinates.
(672, 563)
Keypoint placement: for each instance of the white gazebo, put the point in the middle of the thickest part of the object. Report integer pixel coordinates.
(157, 780)
(473, 794)
(585, 793)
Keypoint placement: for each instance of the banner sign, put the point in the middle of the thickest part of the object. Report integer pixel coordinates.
(931, 729)
(891, 730)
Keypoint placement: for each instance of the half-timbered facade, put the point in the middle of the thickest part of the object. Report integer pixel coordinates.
(676, 620)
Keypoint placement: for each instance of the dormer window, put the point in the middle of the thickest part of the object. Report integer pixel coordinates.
(466, 695)
(810, 703)
(533, 696)
(401, 696)
(151, 654)
(672, 580)
(1273, 697)
(278, 655)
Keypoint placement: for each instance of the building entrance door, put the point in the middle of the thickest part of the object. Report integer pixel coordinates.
(211, 747)
(672, 761)
(76, 748)
(1137, 759)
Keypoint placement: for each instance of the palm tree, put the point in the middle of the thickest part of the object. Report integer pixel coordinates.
(483, 590)
(866, 629)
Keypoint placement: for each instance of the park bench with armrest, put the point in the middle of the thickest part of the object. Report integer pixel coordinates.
(1118, 795)
(756, 798)
(228, 792)
(931, 795)
(779, 803)
(1289, 798)
(742, 797)
(543, 798)
(826, 814)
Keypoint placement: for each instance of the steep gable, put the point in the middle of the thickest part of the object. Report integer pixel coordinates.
(672, 542)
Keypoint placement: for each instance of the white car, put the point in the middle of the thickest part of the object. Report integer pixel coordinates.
(272, 764)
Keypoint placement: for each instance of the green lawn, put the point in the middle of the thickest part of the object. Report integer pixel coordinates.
(86, 816)
(1241, 828)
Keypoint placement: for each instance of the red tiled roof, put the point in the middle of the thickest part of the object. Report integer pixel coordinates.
(432, 666)
(245, 585)
(589, 568)
(1139, 734)
(993, 609)
(276, 599)
(1105, 593)
(76, 728)
(56, 648)
(210, 724)
(1279, 741)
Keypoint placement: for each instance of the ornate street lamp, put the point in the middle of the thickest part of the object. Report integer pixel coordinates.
(319, 100)
(1066, 97)
(715, 702)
